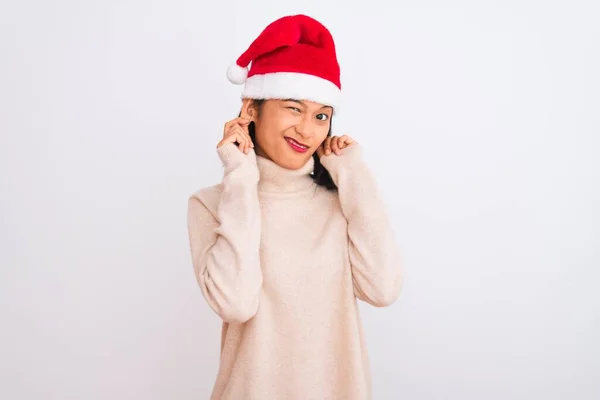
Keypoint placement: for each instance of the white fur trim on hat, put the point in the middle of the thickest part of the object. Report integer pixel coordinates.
(292, 85)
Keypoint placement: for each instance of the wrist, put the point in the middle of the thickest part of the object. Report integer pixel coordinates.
(231, 156)
(349, 154)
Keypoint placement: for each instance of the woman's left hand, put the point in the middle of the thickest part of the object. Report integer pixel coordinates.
(334, 144)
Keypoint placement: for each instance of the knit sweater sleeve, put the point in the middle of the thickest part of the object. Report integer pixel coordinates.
(225, 239)
(375, 257)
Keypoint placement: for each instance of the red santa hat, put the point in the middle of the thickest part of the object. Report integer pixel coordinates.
(294, 57)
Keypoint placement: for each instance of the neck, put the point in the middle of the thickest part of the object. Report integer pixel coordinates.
(277, 179)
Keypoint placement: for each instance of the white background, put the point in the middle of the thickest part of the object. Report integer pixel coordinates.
(481, 120)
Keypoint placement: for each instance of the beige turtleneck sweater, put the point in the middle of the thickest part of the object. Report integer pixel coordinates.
(282, 261)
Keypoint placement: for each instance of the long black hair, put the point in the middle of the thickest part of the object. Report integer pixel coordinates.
(320, 174)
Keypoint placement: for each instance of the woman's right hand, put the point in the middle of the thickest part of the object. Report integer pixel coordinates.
(236, 131)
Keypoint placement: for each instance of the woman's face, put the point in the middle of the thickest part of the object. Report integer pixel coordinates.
(289, 132)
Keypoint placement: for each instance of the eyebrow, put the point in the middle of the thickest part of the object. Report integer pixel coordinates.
(303, 103)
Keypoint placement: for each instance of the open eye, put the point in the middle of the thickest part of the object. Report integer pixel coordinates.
(322, 117)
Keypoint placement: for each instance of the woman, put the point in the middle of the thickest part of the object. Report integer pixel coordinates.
(296, 231)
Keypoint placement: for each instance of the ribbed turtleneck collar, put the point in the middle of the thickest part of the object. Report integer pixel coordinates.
(276, 179)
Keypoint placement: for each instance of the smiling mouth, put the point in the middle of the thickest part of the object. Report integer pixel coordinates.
(294, 144)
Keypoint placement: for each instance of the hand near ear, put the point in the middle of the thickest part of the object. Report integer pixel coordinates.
(334, 144)
(236, 131)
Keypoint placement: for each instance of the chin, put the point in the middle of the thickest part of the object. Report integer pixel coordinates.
(292, 164)
(293, 161)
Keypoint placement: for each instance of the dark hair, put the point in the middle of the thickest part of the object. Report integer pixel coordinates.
(320, 174)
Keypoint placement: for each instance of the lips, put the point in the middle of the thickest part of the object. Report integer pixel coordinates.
(297, 146)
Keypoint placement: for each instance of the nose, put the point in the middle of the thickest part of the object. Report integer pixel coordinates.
(305, 128)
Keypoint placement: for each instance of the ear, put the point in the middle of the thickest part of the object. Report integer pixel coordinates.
(248, 110)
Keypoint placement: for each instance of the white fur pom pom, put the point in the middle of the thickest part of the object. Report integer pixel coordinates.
(237, 74)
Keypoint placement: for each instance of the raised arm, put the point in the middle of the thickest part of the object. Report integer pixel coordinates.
(225, 238)
(374, 254)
